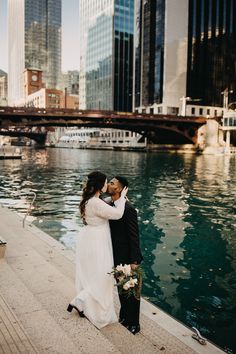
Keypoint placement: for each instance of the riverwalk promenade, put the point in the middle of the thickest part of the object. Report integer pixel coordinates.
(36, 285)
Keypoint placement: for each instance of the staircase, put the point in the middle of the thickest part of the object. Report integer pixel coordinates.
(36, 285)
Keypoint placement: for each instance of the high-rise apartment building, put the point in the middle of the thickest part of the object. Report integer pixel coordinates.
(185, 50)
(106, 50)
(211, 50)
(34, 42)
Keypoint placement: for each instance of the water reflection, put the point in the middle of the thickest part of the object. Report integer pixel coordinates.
(186, 214)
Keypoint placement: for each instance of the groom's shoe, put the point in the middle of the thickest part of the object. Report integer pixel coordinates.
(133, 329)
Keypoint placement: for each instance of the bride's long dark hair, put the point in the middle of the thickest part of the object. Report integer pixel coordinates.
(95, 183)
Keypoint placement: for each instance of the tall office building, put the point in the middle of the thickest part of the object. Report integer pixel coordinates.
(184, 49)
(160, 54)
(149, 51)
(211, 50)
(34, 42)
(3, 88)
(106, 62)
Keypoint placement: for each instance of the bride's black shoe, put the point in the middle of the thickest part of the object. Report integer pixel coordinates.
(71, 307)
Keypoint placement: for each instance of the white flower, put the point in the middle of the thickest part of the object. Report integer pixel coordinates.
(133, 282)
(127, 270)
(120, 268)
(126, 286)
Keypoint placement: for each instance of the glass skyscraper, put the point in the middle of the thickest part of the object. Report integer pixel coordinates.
(149, 51)
(211, 50)
(184, 48)
(106, 49)
(34, 41)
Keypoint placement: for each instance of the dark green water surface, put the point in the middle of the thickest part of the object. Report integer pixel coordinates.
(187, 218)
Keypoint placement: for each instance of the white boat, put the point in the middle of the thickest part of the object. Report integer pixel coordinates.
(10, 152)
(95, 138)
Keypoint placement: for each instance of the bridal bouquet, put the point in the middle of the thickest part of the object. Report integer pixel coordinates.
(128, 279)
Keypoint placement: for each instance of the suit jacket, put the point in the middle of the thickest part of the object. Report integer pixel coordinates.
(125, 237)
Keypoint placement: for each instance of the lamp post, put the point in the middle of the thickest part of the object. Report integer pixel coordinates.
(184, 104)
(225, 94)
(65, 97)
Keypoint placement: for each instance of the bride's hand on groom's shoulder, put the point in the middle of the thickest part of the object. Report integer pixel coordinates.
(124, 192)
(134, 266)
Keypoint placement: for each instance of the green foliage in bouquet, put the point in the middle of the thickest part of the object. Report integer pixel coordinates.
(128, 280)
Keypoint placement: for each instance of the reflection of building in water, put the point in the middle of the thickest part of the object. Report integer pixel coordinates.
(170, 218)
(207, 295)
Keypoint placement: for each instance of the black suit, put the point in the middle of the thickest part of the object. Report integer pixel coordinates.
(126, 250)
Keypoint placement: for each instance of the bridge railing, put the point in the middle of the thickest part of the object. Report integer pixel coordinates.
(93, 114)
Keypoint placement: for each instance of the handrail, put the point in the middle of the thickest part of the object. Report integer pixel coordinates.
(197, 335)
(29, 208)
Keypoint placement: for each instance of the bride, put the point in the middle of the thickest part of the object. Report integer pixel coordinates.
(94, 258)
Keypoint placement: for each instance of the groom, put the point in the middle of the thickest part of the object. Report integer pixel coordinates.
(126, 250)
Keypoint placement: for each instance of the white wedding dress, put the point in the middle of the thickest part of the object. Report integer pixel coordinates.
(94, 260)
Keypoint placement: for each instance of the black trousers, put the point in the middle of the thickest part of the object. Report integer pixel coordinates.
(129, 310)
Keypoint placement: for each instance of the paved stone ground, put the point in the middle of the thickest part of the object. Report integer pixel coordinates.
(36, 285)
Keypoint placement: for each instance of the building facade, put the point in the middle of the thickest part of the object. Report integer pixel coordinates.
(160, 55)
(212, 51)
(52, 98)
(185, 54)
(34, 41)
(70, 82)
(106, 63)
(3, 88)
(149, 51)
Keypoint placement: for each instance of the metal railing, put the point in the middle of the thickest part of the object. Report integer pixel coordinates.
(30, 207)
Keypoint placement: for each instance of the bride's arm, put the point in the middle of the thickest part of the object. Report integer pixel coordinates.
(106, 211)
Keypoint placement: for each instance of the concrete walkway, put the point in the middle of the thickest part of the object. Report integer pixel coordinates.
(36, 284)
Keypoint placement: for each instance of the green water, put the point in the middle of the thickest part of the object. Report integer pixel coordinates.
(187, 218)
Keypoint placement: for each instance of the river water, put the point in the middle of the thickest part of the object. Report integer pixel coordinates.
(187, 217)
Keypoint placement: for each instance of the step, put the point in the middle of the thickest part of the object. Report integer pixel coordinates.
(37, 279)
(13, 337)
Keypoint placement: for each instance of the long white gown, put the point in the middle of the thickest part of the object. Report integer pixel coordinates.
(94, 260)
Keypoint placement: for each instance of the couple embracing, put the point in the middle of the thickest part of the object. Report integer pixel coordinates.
(110, 237)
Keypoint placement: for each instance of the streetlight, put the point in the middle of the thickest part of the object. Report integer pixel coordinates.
(184, 103)
(225, 94)
(65, 97)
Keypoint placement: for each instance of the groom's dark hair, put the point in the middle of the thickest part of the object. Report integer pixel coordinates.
(122, 180)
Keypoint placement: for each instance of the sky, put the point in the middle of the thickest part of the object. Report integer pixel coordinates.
(70, 34)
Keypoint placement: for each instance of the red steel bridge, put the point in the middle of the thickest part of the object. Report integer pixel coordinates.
(159, 128)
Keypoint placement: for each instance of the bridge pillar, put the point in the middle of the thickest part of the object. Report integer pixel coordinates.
(211, 137)
(227, 139)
